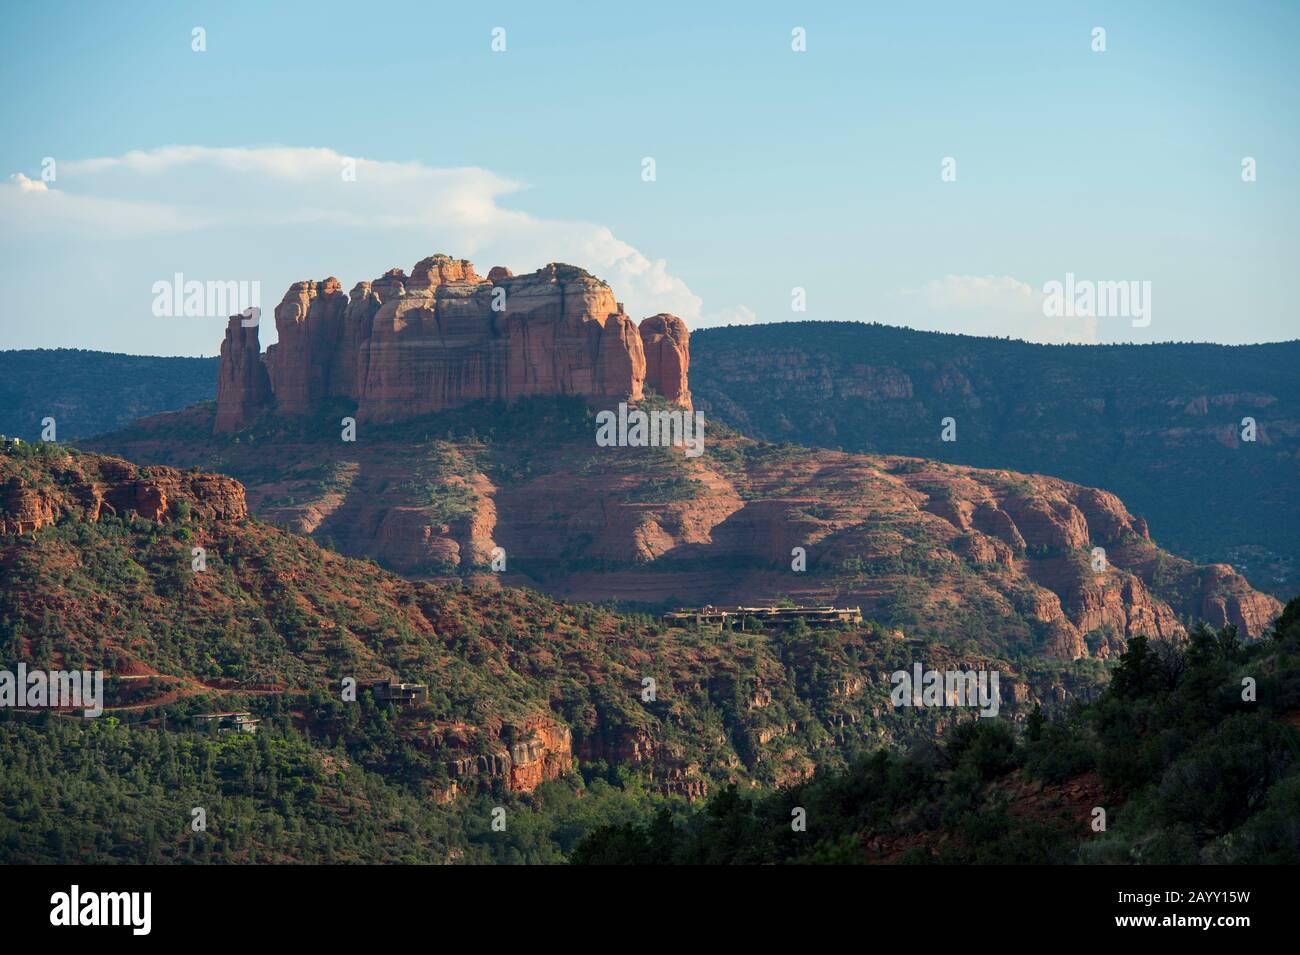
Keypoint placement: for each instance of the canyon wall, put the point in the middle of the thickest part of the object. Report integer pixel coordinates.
(444, 336)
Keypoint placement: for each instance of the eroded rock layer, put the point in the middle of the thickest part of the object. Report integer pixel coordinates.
(89, 488)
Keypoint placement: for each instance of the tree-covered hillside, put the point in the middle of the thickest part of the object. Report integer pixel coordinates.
(532, 704)
(1159, 425)
(1192, 755)
(89, 392)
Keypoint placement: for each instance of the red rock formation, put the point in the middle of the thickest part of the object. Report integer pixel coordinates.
(243, 387)
(542, 750)
(441, 270)
(995, 522)
(666, 343)
(91, 487)
(350, 365)
(1043, 522)
(444, 337)
(306, 364)
(24, 509)
(1226, 598)
(874, 527)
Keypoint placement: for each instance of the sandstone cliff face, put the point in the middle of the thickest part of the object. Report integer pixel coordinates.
(23, 509)
(1226, 598)
(243, 386)
(90, 488)
(667, 357)
(541, 750)
(403, 346)
(305, 362)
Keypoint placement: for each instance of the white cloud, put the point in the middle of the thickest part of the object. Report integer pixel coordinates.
(731, 315)
(992, 305)
(30, 208)
(967, 291)
(28, 185)
(203, 196)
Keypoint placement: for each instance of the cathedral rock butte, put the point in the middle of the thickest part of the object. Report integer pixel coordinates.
(403, 346)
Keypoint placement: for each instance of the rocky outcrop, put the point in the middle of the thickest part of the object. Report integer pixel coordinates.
(543, 751)
(243, 386)
(1117, 607)
(666, 343)
(444, 337)
(307, 364)
(1226, 598)
(24, 509)
(523, 755)
(1046, 523)
(439, 345)
(91, 487)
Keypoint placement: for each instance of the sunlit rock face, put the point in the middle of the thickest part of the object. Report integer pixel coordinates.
(444, 336)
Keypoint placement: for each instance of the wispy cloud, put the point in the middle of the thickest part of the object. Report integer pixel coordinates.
(191, 191)
(993, 305)
(731, 315)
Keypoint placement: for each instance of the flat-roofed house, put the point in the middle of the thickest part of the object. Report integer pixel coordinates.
(393, 691)
(241, 722)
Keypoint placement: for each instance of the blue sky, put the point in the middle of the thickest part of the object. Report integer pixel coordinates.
(775, 169)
